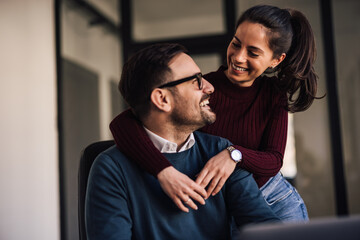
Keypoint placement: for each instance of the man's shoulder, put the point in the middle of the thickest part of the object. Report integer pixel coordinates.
(111, 158)
(111, 153)
(211, 142)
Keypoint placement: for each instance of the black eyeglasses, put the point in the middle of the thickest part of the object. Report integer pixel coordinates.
(198, 77)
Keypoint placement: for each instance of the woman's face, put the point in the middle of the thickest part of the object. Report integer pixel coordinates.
(249, 55)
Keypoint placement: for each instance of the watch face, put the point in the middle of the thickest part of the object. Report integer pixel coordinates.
(236, 155)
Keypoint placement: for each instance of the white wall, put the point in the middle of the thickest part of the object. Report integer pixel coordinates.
(29, 200)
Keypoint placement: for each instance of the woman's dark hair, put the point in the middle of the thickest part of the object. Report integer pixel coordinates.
(144, 71)
(290, 33)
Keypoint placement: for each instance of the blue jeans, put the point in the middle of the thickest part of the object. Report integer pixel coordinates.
(284, 200)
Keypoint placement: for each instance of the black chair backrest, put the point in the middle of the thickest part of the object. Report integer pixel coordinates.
(87, 158)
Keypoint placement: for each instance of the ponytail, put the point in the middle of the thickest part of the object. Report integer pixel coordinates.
(296, 73)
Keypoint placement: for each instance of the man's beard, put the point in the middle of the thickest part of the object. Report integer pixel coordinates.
(182, 119)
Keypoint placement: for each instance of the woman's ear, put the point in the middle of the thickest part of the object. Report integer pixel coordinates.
(277, 61)
(161, 99)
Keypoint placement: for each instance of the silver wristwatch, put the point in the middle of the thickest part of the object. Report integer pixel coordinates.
(234, 154)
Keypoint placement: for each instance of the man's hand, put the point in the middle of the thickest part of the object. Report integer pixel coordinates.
(217, 170)
(181, 189)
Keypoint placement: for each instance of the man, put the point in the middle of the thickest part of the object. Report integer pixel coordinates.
(165, 89)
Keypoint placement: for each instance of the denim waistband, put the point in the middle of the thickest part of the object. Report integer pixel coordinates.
(272, 183)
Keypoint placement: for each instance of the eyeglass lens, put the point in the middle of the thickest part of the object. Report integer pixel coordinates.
(199, 80)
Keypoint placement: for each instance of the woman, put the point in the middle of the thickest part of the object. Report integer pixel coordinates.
(251, 108)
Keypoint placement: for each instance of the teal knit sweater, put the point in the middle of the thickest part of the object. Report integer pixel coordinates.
(125, 202)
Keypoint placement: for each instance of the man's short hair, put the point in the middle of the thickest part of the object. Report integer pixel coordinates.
(144, 71)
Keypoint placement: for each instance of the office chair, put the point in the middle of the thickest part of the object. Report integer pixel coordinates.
(87, 158)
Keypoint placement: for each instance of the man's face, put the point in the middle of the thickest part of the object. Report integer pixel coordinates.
(191, 104)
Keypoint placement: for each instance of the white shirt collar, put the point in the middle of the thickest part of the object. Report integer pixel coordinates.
(165, 146)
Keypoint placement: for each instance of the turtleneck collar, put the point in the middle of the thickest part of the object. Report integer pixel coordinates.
(223, 84)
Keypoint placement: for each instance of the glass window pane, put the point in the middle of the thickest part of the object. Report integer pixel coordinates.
(207, 62)
(289, 169)
(110, 8)
(159, 19)
(347, 37)
(92, 56)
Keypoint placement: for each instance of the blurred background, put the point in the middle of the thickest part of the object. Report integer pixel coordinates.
(60, 65)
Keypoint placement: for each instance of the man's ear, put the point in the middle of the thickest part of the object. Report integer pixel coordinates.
(161, 99)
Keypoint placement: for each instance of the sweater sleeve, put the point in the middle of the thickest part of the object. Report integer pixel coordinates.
(268, 159)
(245, 201)
(132, 140)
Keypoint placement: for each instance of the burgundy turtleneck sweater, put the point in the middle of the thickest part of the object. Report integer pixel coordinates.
(253, 118)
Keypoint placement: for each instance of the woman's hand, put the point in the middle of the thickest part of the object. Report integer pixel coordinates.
(181, 189)
(217, 170)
